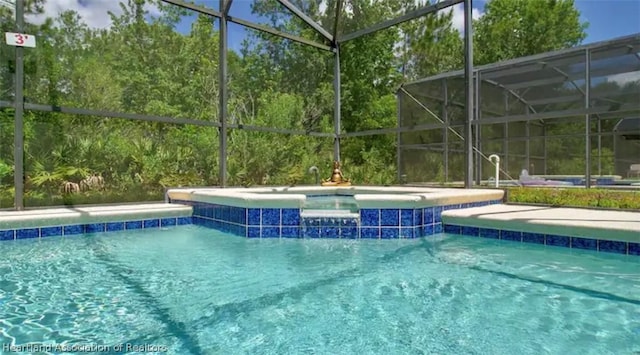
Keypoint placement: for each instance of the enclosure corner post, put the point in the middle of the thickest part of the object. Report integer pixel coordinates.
(336, 104)
(223, 96)
(18, 134)
(587, 104)
(468, 78)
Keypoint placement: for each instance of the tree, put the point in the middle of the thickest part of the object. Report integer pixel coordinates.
(517, 28)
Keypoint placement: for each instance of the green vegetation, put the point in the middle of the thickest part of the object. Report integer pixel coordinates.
(165, 63)
(575, 197)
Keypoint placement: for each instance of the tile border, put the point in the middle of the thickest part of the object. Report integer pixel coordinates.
(89, 228)
(565, 241)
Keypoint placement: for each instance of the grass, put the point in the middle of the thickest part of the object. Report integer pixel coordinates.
(558, 197)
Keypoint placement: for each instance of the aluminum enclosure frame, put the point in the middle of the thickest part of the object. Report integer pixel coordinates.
(332, 44)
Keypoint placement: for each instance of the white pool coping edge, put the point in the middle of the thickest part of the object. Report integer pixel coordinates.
(575, 222)
(365, 196)
(88, 215)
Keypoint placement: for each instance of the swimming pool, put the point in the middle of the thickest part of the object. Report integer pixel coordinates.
(196, 290)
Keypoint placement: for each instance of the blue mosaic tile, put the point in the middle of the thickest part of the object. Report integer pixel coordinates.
(138, 224)
(270, 232)
(370, 232)
(310, 232)
(634, 248)
(470, 231)
(407, 232)
(95, 228)
(73, 229)
(207, 211)
(489, 233)
(253, 216)
(167, 222)
(452, 229)
(612, 246)
(349, 232)
(584, 243)
(428, 229)
(50, 231)
(241, 215)
(330, 222)
(7, 235)
(437, 214)
(329, 232)
(370, 217)
(428, 215)
(114, 226)
(253, 232)
(515, 236)
(417, 232)
(390, 233)
(208, 223)
(451, 207)
(290, 232)
(151, 223)
(558, 240)
(270, 216)
(417, 217)
(438, 228)
(240, 230)
(290, 217)
(27, 233)
(349, 222)
(227, 213)
(390, 217)
(184, 220)
(406, 217)
(535, 238)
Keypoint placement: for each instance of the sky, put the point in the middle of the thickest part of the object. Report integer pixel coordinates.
(607, 18)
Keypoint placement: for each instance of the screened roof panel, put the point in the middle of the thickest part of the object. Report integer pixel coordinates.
(555, 82)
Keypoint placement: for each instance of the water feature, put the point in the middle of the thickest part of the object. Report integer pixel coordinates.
(330, 216)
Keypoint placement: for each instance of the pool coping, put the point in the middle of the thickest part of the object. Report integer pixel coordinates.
(86, 215)
(365, 196)
(613, 231)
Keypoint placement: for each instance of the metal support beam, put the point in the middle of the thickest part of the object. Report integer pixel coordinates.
(110, 114)
(336, 104)
(399, 138)
(381, 131)
(18, 128)
(336, 20)
(274, 32)
(505, 134)
(253, 128)
(468, 92)
(401, 19)
(527, 146)
(227, 6)
(196, 8)
(306, 19)
(630, 107)
(587, 117)
(445, 118)
(476, 130)
(222, 96)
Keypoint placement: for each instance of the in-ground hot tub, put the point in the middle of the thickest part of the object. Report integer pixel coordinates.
(328, 212)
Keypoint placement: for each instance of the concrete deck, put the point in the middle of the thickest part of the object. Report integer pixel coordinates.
(575, 222)
(94, 214)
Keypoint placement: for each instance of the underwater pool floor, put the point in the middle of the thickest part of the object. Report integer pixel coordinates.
(197, 290)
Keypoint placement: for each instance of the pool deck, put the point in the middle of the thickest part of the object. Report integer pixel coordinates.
(578, 222)
(90, 214)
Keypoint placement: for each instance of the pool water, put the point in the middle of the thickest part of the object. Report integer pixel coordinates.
(199, 291)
